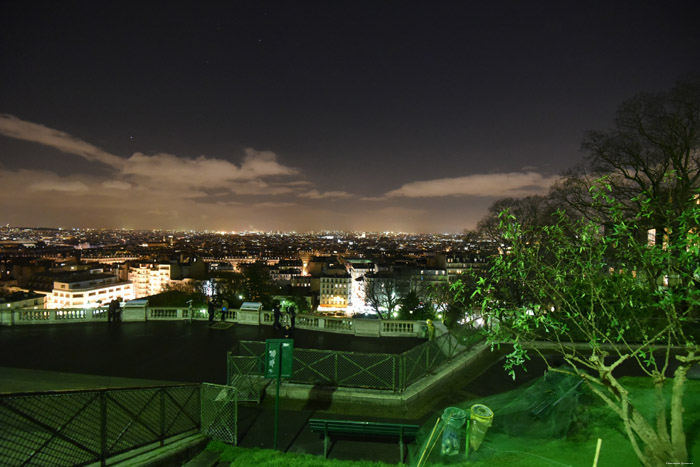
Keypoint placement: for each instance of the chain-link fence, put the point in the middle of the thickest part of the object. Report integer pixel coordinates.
(392, 372)
(82, 427)
(245, 373)
(219, 415)
(376, 371)
(419, 361)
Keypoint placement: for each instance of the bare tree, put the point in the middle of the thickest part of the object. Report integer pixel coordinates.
(651, 156)
(380, 294)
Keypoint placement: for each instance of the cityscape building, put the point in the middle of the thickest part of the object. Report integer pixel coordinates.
(330, 270)
(88, 291)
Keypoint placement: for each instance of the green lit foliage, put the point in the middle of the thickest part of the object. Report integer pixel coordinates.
(599, 295)
(230, 286)
(258, 285)
(464, 309)
(193, 289)
(413, 307)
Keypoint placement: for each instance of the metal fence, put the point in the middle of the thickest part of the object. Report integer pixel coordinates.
(83, 427)
(391, 372)
(219, 415)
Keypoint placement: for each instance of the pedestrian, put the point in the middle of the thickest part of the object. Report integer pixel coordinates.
(277, 314)
(224, 310)
(212, 311)
(112, 310)
(292, 315)
(430, 329)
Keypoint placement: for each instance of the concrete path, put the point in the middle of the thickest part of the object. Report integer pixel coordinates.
(96, 355)
(167, 350)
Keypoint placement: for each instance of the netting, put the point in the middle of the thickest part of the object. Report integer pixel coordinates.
(541, 410)
(82, 427)
(219, 415)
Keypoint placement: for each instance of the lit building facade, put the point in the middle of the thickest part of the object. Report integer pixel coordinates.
(335, 291)
(150, 279)
(17, 300)
(89, 291)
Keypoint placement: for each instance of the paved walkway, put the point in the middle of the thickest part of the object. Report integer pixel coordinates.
(167, 350)
(96, 355)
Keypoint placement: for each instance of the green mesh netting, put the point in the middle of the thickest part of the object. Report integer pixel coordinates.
(540, 410)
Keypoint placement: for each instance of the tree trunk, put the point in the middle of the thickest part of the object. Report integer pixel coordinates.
(656, 449)
(680, 451)
(661, 422)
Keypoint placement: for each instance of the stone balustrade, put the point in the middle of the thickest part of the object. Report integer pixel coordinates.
(350, 326)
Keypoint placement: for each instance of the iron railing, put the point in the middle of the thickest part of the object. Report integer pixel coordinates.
(84, 427)
(391, 372)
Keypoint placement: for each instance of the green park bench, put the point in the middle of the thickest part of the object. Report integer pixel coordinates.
(349, 428)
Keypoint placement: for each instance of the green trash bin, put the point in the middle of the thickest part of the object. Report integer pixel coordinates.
(453, 418)
(482, 419)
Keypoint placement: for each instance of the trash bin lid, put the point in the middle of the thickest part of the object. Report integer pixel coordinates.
(454, 414)
(481, 411)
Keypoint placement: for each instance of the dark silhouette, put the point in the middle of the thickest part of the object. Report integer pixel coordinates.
(276, 311)
(292, 315)
(212, 311)
(112, 311)
(224, 310)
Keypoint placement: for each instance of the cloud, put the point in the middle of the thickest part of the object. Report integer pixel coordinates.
(273, 204)
(514, 184)
(166, 171)
(58, 185)
(14, 127)
(205, 172)
(116, 185)
(315, 194)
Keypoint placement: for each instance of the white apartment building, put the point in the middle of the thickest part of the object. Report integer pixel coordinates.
(88, 291)
(358, 271)
(150, 279)
(20, 299)
(335, 291)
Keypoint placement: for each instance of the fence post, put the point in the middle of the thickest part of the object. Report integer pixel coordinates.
(228, 368)
(162, 416)
(335, 372)
(404, 371)
(103, 427)
(427, 357)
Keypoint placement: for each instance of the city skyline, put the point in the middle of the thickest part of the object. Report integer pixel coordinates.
(313, 117)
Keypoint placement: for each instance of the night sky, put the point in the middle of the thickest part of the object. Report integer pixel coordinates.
(309, 116)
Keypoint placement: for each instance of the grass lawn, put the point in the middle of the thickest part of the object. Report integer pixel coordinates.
(241, 457)
(593, 421)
